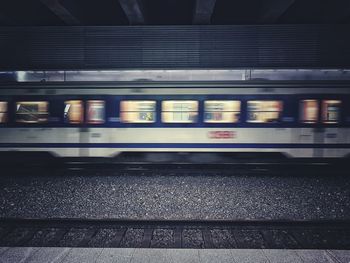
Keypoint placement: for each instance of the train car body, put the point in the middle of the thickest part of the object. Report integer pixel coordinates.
(104, 120)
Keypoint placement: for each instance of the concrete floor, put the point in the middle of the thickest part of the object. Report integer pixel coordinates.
(131, 255)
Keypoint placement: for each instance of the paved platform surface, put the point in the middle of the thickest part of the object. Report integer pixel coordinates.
(130, 255)
(172, 195)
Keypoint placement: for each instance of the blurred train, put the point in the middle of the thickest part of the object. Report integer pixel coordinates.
(104, 120)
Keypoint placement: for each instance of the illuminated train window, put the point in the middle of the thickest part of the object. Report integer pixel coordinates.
(32, 111)
(264, 111)
(331, 111)
(179, 111)
(3, 111)
(222, 111)
(95, 111)
(138, 111)
(73, 111)
(309, 111)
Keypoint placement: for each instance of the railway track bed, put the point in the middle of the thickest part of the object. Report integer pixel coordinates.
(175, 234)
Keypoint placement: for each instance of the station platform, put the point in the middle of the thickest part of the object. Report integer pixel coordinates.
(133, 255)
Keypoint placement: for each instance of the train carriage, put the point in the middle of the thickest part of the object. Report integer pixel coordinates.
(105, 119)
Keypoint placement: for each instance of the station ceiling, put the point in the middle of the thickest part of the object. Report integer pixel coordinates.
(164, 34)
(172, 12)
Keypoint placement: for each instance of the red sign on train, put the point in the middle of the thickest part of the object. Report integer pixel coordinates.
(222, 134)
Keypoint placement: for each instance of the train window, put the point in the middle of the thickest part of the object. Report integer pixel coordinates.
(73, 111)
(331, 111)
(95, 111)
(32, 111)
(309, 111)
(264, 111)
(179, 111)
(138, 111)
(221, 111)
(3, 111)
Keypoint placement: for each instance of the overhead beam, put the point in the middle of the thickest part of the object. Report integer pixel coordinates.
(134, 11)
(59, 10)
(272, 10)
(203, 12)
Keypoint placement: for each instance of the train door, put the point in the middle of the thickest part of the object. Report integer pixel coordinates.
(320, 113)
(96, 117)
(309, 116)
(74, 117)
(333, 135)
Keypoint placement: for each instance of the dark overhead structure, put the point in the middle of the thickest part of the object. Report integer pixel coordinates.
(174, 34)
(172, 12)
(175, 47)
(272, 10)
(203, 12)
(61, 12)
(4, 18)
(134, 11)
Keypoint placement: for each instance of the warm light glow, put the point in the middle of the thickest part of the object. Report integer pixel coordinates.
(96, 111)
(32, 111)
(74, 111)
(3, 111)
(179, 111)
(331, 111)
(138, 111)
(222, 111)
(264, 111)
(309, 111)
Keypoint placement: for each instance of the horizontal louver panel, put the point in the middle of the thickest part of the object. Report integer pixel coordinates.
(281, 46)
